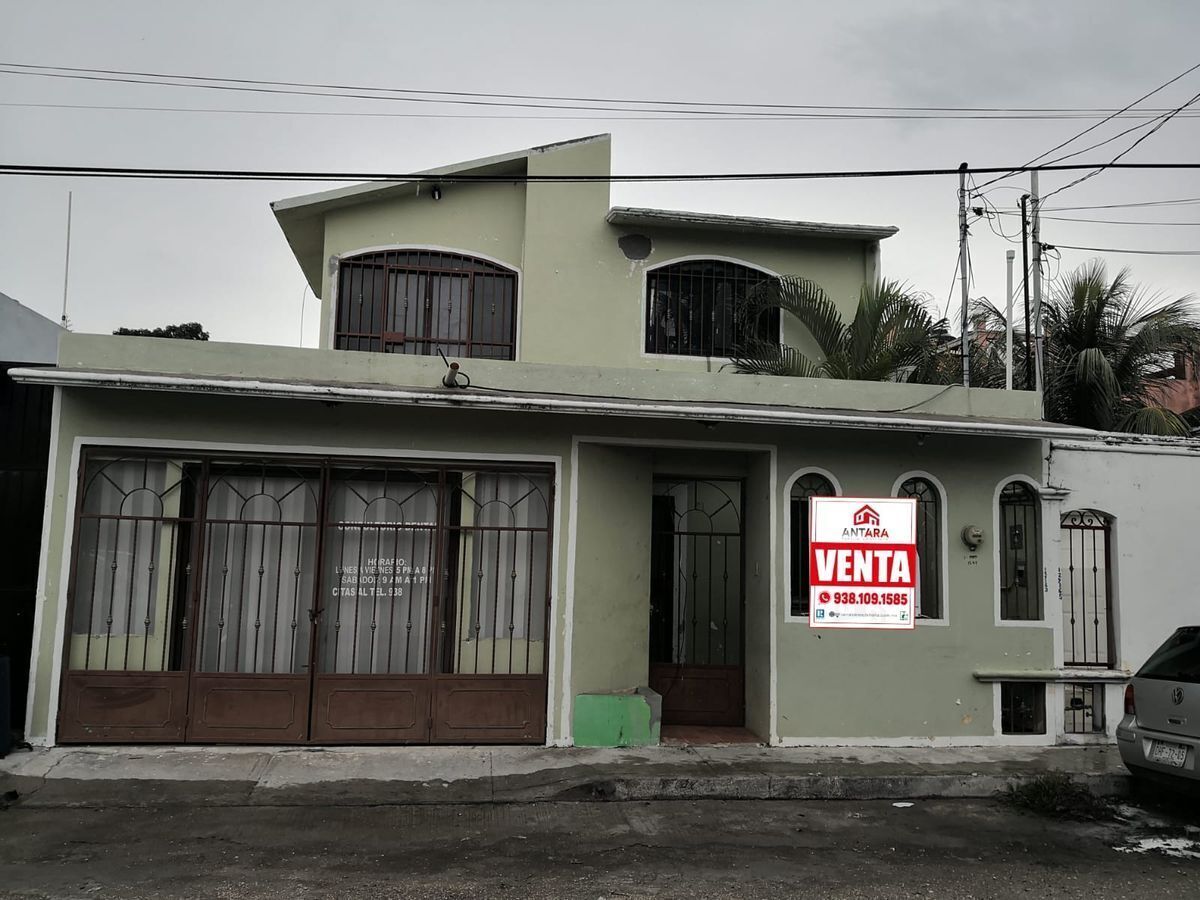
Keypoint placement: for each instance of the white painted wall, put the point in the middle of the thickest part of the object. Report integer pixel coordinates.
(1152, 491)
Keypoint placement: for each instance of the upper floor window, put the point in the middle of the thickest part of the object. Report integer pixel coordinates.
(810, 484)
(421, 301)
(1020, 540)
(691, 308)
(929, 545)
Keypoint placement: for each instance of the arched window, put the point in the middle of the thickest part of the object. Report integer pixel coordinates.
(810, 484)
(929, 545)
(691, 307)
(1020, 540)
(421, 301)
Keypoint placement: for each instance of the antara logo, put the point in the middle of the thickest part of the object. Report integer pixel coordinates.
(866, 516)
(866, 524)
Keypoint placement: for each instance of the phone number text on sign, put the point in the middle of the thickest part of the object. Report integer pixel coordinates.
(864, 597)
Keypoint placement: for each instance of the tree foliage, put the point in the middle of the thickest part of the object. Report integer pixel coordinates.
(186, 331)
(892, 336)
(1107, 344)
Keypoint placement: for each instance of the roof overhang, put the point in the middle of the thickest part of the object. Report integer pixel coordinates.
(671, 218)
(302, 218)
(563, 404)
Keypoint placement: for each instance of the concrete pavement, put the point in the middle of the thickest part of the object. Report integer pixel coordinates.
(370, 776)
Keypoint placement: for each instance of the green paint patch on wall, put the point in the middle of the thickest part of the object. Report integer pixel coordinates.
(624, 719)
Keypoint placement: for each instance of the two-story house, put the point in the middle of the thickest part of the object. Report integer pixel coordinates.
(591, 514)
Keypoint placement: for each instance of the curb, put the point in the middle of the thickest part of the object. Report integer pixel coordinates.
(40, 793)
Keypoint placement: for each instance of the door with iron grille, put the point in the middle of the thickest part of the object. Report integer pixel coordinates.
(284, 601)
(696, 601)
(1086, 586)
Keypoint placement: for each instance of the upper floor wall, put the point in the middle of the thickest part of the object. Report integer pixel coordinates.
(545, 272)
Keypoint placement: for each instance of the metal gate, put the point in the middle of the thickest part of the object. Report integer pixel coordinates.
(1086, 589)
(696, 608)
(219, 599)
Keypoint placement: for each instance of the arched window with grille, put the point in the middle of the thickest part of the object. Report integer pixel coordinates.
(810, 484)
(421, 301)
(1020, 540)
(929, 544)
(691, 307)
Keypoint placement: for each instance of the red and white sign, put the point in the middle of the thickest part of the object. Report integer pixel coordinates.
(862, 562)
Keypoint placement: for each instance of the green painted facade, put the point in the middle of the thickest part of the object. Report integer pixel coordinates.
(580, 335)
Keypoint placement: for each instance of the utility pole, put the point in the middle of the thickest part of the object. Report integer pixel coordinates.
(1037, 279)
(67, 262)
(1025, 287)
(1008, 329)
(962, 267)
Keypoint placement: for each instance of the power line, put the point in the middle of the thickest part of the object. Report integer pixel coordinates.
(1127, 250)
(1167, 118)
(639, 115)
(1104, 121)
(466, 177)
(169, 79)
(1180, 201)
(1103, 221)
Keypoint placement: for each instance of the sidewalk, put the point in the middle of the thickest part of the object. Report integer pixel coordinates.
(370, 776)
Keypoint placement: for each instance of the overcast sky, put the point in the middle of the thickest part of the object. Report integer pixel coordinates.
(147, 253)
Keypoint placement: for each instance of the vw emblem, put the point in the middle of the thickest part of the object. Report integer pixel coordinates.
(1177, 695)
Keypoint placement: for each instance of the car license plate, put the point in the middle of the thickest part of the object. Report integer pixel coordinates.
(1168, 754)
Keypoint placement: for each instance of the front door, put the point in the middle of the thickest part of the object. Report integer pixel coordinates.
(696, 601)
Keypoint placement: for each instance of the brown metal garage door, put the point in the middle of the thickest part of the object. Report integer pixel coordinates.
(235, 600)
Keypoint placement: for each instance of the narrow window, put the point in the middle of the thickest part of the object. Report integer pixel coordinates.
(1083, 708)
(1022, 707)
(808, 485)
(1020, 540)
(691, 308)
(929, 545)
(419, 302)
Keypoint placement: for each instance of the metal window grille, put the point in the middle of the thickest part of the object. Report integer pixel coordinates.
(1022, 707)
(1087, 589)
(696, 595)
(419, 302)
(1083, 709)
(246, 566)
(1020, 553)
(132, 565)
(929, 545)
(692, 308)
(806, 486)
(259, 563)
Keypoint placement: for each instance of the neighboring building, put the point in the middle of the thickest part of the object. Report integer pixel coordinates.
(26, 338)
(264, 544)
(1180, 387)
(1128, 527)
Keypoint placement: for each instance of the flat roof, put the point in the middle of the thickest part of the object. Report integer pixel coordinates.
(674, 218)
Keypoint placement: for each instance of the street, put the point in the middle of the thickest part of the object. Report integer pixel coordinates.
(937, 848)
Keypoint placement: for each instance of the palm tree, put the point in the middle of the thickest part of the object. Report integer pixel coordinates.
(1106, 347)
(892, 337)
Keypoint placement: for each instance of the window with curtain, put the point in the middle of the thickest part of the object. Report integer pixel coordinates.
(929, 545)
(811, 484)
(421, 301)
(692, 308)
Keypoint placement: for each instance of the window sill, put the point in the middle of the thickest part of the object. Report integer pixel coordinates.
(1095, 676)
